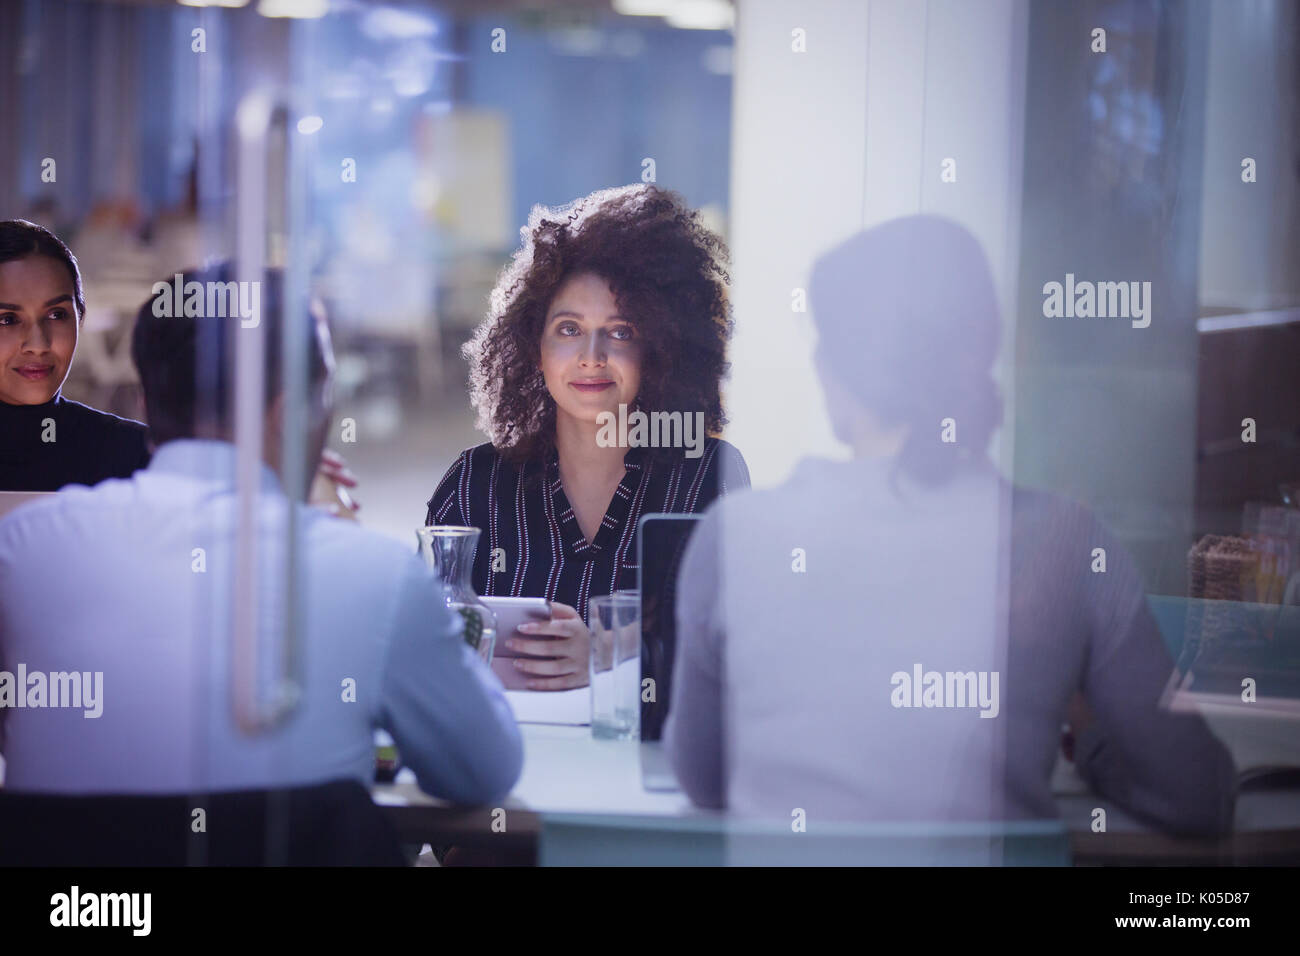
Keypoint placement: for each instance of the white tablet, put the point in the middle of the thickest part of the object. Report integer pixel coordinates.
(510, 613)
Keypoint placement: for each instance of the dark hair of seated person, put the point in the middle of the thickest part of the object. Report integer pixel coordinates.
(20, 238)
(46, 440)
(667, 269)
(186, 363)
(894, 354)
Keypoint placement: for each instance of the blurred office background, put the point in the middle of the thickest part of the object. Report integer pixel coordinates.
(790, 125)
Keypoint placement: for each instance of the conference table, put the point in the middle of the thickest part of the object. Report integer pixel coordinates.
(569, 776)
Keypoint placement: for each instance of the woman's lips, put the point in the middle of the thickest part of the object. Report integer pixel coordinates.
(592, 386)
(35, 372)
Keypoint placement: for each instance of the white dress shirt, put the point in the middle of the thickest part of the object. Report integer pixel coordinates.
(135, 579)
(805, 610)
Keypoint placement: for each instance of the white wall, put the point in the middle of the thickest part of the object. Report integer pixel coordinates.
(1250, 232)
(846, 135)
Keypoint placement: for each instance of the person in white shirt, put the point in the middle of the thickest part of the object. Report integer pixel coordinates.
(127, 589)
(899, 637)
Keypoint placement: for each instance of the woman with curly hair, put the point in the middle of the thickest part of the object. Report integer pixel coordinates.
(614, 309)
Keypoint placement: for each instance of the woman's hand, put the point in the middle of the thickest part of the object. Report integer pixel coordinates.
(569, 645)
(335, 467)
(335, 476)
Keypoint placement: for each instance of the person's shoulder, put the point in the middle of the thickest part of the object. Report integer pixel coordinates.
(477, 465)
(477, 459)
(724, 451)
(341, 540)
(123, 442)
(1063, 536)
(1050, 513)
(481, 455)
(813, 483)
(718, 471)
(351, 566)
(718, 456)
(36, 510)
(127, 428)
(46, 517)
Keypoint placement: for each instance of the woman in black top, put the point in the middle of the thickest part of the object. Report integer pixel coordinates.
(597, 375)
(46, 441)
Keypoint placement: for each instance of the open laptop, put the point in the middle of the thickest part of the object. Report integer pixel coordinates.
(661, 542)
(9, 500)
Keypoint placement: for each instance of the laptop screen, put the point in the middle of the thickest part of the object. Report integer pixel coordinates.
(661, 543)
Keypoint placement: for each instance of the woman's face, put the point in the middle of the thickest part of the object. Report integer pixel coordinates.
(38, 329)
(591, 356)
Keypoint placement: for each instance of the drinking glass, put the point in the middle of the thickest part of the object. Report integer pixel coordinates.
(615, 624)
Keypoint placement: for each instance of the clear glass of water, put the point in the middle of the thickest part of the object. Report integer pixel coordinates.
(615, 624)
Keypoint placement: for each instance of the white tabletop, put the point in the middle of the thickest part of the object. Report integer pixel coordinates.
(566, 771)
(570, 707)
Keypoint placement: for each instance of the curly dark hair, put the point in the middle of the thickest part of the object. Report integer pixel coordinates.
(667, 272)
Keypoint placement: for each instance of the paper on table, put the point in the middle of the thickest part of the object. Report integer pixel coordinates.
(551, 706)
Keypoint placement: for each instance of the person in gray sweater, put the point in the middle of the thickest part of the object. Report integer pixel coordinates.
(900, 637)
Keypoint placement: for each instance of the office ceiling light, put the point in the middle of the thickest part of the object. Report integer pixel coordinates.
(298, 9)
(213, 3)
(310, 124)
(389, 23)
(684, 14)
(702, 15)
(644, 8)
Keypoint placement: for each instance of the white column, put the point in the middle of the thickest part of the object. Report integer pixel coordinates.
(848, 134)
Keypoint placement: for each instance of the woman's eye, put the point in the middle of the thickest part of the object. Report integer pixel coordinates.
(8, 318)
(59, 314)
(622, 333)
(568, 330)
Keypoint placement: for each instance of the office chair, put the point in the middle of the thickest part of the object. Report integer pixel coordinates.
(329, 824)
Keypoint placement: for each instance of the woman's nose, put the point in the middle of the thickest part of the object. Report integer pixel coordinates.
(594, 353)
(36, 340)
